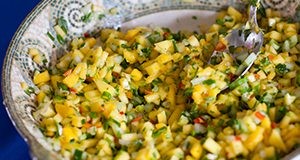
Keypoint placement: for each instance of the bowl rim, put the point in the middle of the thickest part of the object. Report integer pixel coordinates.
(31, 142)
(35, 148)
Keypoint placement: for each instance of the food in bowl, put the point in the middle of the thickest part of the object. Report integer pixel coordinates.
(149, 93)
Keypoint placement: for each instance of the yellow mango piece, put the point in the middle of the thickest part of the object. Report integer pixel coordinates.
(103, 86)
(41, 77)
(71, 80)
(196, 150)
(276, 140)
(108, 108)
(175, 114)
(237, 147)
(131, 57)
(91, 41)
(69, 133)
(213, 110)
(153, 69)
(171, 95)
(275, 35)
(131, 33)
(33, 52)
(234, 13)
(164, 58)
(40, 97)
(38, 59)
(136, 75)
(88, 143)
(92, 95)
(254, 138)
(55, 79)
(64, 110)
(81, 70)
(77, 121)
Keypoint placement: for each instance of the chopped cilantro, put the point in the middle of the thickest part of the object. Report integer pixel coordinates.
(63, 24)
(87, 17)
(60, 39)
(186, 58)
(146, 52)
(209, 82)
(237, 83)
(188, 92)
(265, 61)
(124, 64)
(50, 36)
(158, 132)
(155, 37)
(281, 69)
(280, 113)
(106, 96)
(62, 86)
(29, 90)
(78, 154)
(101, 16)
(220, 22)
(93, 115)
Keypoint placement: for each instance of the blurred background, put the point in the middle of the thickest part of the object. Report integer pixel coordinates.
(12, 13)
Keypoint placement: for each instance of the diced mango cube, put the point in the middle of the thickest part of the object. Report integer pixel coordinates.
(64, 110)
(91, 41)
(275, 35)
(234, 13)
(196, 150)
(131, 33)
(41, 77)
(33, 52)
(41, 96)
(276, 140)
(254, 138)
(136, 75)
(164, 58)
(131, 57)
(69, 133)
(153, 69)
(71, 80)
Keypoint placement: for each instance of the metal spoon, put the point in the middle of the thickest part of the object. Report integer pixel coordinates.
(250, 38)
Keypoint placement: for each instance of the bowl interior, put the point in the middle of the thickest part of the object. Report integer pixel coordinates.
(35, 30)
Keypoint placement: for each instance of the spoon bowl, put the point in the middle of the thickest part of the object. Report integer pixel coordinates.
(249, 38)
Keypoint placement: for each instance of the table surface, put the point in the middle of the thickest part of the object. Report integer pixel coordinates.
(12, 13)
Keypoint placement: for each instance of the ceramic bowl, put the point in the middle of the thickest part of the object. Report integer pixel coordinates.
(35, 30)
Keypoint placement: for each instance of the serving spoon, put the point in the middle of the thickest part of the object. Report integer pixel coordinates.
(250, 38)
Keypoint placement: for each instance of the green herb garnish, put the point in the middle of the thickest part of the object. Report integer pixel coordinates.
(158, 132)
(209, 82)
(106, 96)
(281, 69)
(50, 36)
(87, 17)
(29, 90)
(63, 24)
(78, 154)
(62, 86)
